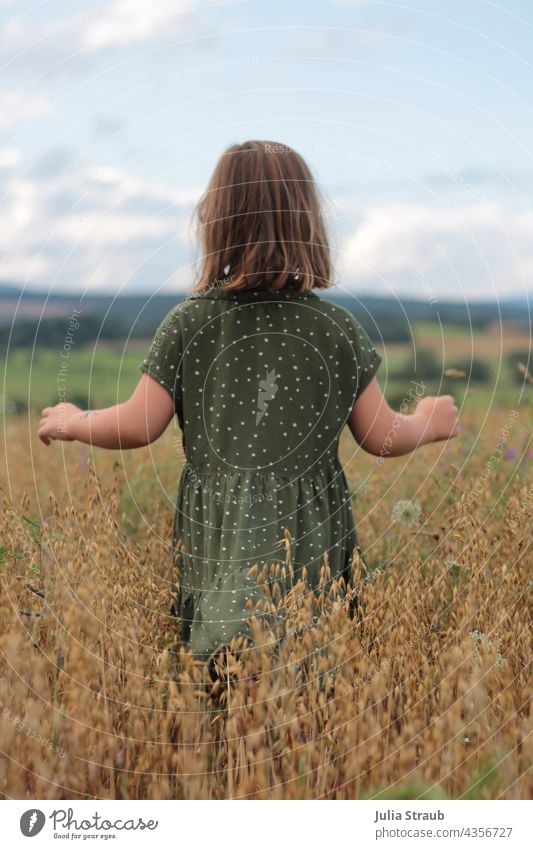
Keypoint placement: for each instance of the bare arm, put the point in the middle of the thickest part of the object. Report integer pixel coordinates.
(381, 431)
(137, 422)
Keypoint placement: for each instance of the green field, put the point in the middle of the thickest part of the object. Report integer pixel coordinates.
(97, 376)
(103, 374)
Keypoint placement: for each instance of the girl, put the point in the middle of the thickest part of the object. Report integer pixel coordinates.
(263, 375)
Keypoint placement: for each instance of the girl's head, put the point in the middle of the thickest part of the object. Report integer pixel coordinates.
(260, 224)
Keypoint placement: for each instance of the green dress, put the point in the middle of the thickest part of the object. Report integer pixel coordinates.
(263, 385)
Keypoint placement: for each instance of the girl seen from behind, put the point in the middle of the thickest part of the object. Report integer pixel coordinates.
(263, 374)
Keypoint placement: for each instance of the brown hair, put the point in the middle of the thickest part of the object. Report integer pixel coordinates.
(260, 215)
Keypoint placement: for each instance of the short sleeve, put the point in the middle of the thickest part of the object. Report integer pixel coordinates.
(163, 359)
(364, 356)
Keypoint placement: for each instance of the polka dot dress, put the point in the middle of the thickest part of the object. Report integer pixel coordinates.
(263, 384)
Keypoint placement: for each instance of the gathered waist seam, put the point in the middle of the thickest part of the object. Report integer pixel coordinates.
(190, 472)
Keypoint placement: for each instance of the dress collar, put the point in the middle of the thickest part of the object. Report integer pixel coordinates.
(287, 293)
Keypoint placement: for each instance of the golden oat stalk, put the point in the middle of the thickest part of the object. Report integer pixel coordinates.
(286, 541)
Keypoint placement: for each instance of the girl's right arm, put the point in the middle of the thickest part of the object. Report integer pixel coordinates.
(381, 431)
(132, 424)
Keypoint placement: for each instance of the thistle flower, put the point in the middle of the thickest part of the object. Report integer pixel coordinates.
(406, 512)
(481, 639)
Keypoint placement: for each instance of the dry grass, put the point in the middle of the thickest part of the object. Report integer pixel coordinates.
(425, 693)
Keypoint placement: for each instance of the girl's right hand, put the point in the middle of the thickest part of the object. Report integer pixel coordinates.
(440, 416)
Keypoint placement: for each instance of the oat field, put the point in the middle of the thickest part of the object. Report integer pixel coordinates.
(423, 693)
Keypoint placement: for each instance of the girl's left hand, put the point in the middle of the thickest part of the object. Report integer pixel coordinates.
(55, 420)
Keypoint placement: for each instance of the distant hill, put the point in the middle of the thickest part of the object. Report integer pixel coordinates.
(38, 315)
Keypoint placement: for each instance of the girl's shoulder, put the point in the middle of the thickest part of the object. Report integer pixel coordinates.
(184, 307)
(342, 318)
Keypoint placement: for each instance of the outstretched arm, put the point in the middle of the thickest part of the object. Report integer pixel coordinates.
(381, 431)
(136, 422)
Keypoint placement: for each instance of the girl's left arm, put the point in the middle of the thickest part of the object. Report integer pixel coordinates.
(137, 422)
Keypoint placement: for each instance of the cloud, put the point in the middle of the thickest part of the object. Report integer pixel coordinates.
(17, 106)
(478, 250)
(50, 162)
(105, 124)
(126, 22)
(72, 41)
(97, 226)
(9, 158)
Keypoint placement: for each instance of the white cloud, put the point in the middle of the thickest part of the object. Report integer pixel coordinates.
(131, 21)
(481, 250)
(71, 41)
(98, 225)
(9, 158)
(17, 106)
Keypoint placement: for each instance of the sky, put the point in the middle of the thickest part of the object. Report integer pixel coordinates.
(415, 119)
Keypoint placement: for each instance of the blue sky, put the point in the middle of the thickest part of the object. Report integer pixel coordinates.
(415, 118)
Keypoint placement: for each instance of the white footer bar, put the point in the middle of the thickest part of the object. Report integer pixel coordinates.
(253, 823)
